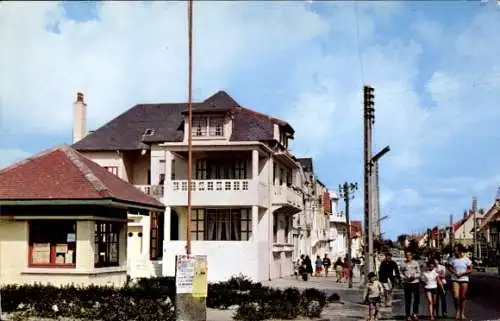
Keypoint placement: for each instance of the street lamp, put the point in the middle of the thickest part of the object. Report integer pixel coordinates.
(346, 191)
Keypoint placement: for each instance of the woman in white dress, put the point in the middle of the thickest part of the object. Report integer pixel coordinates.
(459, 267)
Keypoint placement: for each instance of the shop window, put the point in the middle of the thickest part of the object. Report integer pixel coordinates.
(52, 243)
(107, 243)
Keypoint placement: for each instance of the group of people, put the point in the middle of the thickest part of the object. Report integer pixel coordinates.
(341, 267)
(303, 266)
(436, 279)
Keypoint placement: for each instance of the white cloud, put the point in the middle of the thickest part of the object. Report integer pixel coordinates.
(136, 52)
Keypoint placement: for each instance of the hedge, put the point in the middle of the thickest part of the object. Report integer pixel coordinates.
(154, 298)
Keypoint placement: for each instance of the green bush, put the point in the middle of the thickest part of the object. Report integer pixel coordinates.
(152, 299)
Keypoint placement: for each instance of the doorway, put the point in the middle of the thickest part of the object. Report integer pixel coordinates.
(174, 225)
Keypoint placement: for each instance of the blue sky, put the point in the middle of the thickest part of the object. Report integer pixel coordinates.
(434, 66)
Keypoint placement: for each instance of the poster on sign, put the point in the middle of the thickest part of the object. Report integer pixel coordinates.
(184, 273)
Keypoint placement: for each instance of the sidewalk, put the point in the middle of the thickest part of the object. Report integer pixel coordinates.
(350, 307)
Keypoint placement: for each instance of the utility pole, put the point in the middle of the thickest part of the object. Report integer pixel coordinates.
(191, 271)
(452, 233)
(474, 217)
(345, 192)
(369, 120)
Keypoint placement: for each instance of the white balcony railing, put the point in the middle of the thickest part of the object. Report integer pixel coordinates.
(218, 192)
(338, 217)
(152, 190)
(211, 185)
(286, 195)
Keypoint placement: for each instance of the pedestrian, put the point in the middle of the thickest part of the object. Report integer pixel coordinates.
(361, 267)
(411, 286)
(431, 284)
(442, 290)
(459, 267)
(309, 268)
(388, 275)
(345, 269)
(319, 265)
(297, 266)
(326, 264)
(338, 269)
(372, 296)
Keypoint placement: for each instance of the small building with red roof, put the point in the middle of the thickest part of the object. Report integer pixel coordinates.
(63, 220)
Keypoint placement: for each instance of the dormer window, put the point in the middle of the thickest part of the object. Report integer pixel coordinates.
(149, 132)
(208, 126)
(283, 139)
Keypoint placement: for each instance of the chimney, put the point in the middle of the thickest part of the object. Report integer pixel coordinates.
(474, 204)
(79, 118)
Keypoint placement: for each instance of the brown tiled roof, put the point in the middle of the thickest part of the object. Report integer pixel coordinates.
(126, 132)
(62, 173)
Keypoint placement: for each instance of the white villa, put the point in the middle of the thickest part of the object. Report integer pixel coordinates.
(338, 230)
(246, 186)
(311, 232)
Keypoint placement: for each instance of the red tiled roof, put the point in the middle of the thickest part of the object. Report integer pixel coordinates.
(62, 173)
(458, 224)
(492, 214)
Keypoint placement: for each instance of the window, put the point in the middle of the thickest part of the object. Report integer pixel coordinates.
(172, 170)
(289, 179)
(287, 228)
(275, 228)
(240, 169)
(211, 126)
(216, 126)
(52, 243)
(201, 169)
(157, 222)
(112, 169)
(283, 139)
(282, 175)
(221, 224)
(149, 132)
(107, 244)
(275, 172)
(197, 224)
(161, 172)
(199, 126)
(234, 169)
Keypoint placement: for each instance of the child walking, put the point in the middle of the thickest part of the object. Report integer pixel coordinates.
(373, 296)
(431, 283)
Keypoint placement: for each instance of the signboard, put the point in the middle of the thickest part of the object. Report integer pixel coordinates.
(200, 282)
(191, 275)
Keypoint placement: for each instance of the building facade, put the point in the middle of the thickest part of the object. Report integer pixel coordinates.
(246, 187)
(63, 220)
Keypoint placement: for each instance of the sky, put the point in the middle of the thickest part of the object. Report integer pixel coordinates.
(434, 66)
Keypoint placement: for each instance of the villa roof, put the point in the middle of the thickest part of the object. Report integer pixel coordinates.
(63, 174)
(165, 124)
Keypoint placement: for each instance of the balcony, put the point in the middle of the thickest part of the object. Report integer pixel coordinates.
(157, 191)
(213, 192)
(285, 196)
(338, 217)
